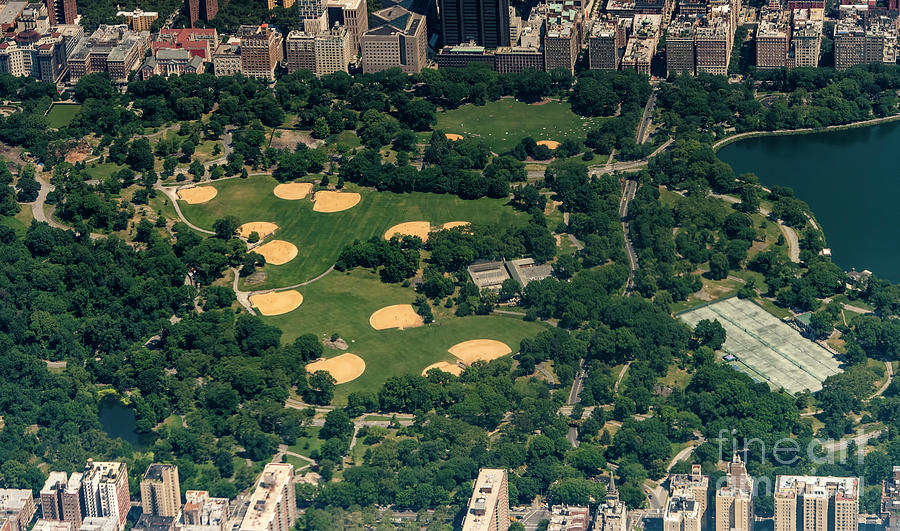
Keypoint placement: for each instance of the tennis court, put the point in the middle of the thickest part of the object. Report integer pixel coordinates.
(766, 348)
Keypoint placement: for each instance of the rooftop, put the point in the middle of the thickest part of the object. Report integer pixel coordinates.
(841, 487)
(264, 500)
(484, 498)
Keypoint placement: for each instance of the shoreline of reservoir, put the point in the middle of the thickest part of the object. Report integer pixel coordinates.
(719, 144)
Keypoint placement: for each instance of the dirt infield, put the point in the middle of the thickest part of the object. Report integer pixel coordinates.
(454, 224)
(277, 302)
(474, 350)
(330, 201)
(410, 228)
(552, 144)
(452, 368)
(277, 252)
(197, 194)
(293, 191)
(343, 368)
(396, 316)
(453, 137)
(262, 228)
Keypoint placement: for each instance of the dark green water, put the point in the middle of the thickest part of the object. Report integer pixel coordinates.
(118, 421)
(850, 179)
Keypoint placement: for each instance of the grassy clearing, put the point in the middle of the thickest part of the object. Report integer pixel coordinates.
(319, 237)
(504, 123)
(342, 303)
(102, 171)
(20, 222)
(62, 114)
(306, 445)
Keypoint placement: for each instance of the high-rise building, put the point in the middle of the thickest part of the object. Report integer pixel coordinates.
(113, 49)
(226, 58)
(488, 508)
(611, 515)
(399, 39)
(51, 496)
(205, 10)
(161, 490)
(682, 511)
(862, 40)
(139, 20)
(286, 4)
(261, 51)
(52, 525)
(203, 513)
(352, 14)
(17, 508)
(62, 11)
(300, 51)
(484, 22)
(310, 9)
(272, 505)
(680, 53)
(772, 40)
(605, 45)
(890, 500)
(713, 45)
(334, 51)
(562, 38)
(816, 503)
(642, 44)
(104, 489)
(696, 484)
(734, 500)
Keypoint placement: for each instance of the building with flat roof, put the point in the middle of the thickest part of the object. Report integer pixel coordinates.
(286, 4)
(62, 11)
(61, 498)
(606, 43)
(198, 41)
(351, 14)
(272, 505)
(682, 512)
(227, 59)
(806, 38)
(155, 523)
(205, 10)
(52, 525)
(113, 49)
(569, 518)
(17, 508)
(310, 9)
(138, 20)
(890, 500)
(399, 39)
(484, 22)
(161, 490)
(334, 51)
(714, 37)
(680, 53)
(104, 488)
(862, 39)
(695, 483)
(816, 503)
(772, 40)
(99, 523)
(641, 45)
(300, 51)
(261, 51)
(734, 500)
(488, 508)
(203, 513)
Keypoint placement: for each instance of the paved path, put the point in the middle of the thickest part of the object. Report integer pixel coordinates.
(627, 195)
(171, 193)
(890, 375)
(621, 377)
(790, 235)
(716, 145)
(646, 118)
(684, 454)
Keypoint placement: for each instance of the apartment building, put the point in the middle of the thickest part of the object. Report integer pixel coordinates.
(227, 58)
(816, 503)
(200, 42)
(29, 54)
(713, 42)
(806, 38)
(286, 4)
(104, 491)
(99, 523)
(890, 500)
(606, 43)
(488, 508)
(642, 44)
(695, 483)
(62, 11)
(680, 51)
(138, 20)
(682, 511)
(861, 40)
(484, 22)
(399, 39)
(17, 508)
(734, 500)
(205, 10)
(61, 498)
(113, 49)
(300, 51)
(569, 518)
(334, 51)
(772, 40)
(203, 513)
(52, 525)
(310, 9)
(351, 14)
(272, 505)
(161, 490)
(261, 51)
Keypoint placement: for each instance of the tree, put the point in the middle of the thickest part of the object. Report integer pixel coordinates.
(820, 325)
(225, 227)
(337, 425)
(140, 156)
(197, 169)
(710, 333)
(320, 129)
(718, 266)
(321, 388)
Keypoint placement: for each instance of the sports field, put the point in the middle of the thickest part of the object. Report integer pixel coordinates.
(343, 302)
(504, 123)
(61, 114)
(766, 348)
(318, 236)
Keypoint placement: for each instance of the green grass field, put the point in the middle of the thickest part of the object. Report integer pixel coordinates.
(62, 114)
(102, 171)
(504, 123)
(319, 237)
(342, 303)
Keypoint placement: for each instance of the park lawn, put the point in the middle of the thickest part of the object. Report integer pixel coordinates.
(305, 445)
(505, 122)
(19, 222)
(62, 114)
(102, 171)
(204, 150)
(343, 302)
(320, 237)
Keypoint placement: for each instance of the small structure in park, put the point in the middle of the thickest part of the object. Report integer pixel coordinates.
(491, 275)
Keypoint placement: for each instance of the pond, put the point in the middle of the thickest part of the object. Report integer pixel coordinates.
(849, 178)
(118, 421)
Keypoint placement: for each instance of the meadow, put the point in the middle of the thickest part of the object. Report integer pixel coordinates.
(62, 114)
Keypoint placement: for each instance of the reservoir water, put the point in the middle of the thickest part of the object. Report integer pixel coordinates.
(849, 178)
(118, 421)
